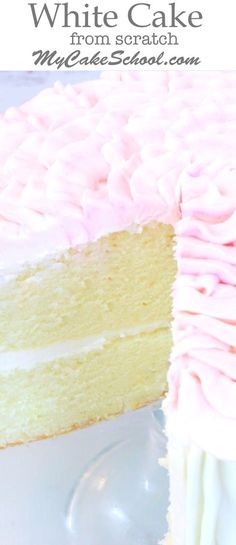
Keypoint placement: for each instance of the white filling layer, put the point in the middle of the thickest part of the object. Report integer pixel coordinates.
(203, 497)
(28, 359)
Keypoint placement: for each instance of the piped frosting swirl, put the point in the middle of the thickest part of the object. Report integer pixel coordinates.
(202, 377)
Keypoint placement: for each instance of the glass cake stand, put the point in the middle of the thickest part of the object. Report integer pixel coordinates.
(99, 486)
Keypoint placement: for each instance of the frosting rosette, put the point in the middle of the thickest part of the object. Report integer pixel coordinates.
(202, 377)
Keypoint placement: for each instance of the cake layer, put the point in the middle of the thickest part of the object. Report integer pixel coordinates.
(69, 393)
(117, 283)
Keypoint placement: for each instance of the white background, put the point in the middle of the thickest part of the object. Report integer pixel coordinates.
(17, 87)
(214, 43)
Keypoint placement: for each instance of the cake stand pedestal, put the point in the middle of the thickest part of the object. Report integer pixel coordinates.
(121, 497)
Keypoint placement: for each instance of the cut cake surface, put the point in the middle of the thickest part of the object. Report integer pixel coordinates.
(88, 338)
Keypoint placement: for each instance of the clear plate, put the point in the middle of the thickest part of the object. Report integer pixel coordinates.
(98, 486)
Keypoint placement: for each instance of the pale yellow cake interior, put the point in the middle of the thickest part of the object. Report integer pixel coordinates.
(117, 291)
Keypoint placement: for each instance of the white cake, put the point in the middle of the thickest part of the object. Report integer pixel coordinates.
(107, 188)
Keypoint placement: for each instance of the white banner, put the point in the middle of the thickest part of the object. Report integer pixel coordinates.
(118, 34)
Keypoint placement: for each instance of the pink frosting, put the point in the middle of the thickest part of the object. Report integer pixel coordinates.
(201, 404)
(202, 378)
(80, 162)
